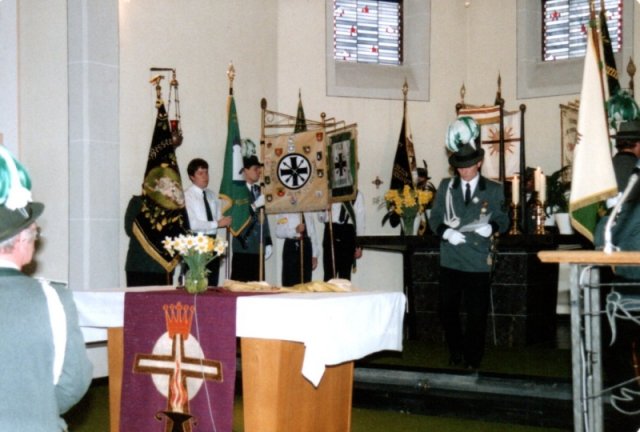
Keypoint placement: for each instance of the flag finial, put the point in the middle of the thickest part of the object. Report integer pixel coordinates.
(631, 70)
(231, 74)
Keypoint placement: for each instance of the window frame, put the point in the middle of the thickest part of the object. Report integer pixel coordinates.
(347, 79)
(537, 78)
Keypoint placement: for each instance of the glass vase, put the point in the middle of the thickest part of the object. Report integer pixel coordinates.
(196, 281)
(408, 223)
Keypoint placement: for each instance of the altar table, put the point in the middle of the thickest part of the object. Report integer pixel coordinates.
(297, 351)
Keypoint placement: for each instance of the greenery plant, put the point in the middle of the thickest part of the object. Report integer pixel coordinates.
(559, 190)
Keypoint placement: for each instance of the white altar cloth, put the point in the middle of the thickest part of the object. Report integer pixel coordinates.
(334, 327)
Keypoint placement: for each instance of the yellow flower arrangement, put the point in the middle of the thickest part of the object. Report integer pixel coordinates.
(197, 250)
(407, 204)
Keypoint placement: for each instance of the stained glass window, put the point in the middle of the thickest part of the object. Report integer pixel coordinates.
(565, 24)
(367, 31)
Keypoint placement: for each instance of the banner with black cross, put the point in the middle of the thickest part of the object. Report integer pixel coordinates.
(295, 174)
(342, 163)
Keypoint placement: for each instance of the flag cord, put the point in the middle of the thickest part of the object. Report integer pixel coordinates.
(204, 381)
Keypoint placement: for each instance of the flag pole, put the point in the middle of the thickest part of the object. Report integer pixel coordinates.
(330, 221)
(301, 125)
(302, 247)
(263, 106)
(231, 74)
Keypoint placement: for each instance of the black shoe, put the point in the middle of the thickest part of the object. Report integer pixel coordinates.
(455, 360)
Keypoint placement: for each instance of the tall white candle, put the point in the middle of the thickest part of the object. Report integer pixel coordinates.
(515, 189)
(543, 188)
(537, 175)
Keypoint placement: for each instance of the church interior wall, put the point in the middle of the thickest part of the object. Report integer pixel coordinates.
(277, 48)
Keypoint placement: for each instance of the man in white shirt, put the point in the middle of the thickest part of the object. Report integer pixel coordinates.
(203, 209)
(298, 231)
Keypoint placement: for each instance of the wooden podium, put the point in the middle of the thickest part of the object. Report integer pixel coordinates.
(586, 354)
(276, 397)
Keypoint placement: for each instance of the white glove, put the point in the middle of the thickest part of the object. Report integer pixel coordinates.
(267, 251)
(454, 237)
(259, 202)
(611, 202)
(485, 230)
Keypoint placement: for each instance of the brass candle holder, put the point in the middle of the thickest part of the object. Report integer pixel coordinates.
(514, 224)
(539, 218)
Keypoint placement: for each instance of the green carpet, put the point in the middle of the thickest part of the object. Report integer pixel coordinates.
(92, 415)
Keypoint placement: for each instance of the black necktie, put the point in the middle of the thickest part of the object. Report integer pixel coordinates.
(467, 194)
(344, 217)
(256, 191)
(206, 206)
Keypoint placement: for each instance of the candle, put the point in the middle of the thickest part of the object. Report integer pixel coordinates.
(515, 189)
(543, 188)
(537, 176)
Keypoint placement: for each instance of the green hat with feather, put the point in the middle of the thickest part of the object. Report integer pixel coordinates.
(17, 211)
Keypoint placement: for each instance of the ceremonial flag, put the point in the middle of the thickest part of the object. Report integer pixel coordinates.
(301, 122)
(295, 172)
(488, 118)
(233, 190)
(593, 178)
(611, 84)
(404, 163)
(163, 211)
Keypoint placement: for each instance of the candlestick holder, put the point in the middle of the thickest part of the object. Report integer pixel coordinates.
(539, 218)
(514, 223)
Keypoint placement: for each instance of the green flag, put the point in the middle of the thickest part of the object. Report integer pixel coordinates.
(233, 189)
(593, 178)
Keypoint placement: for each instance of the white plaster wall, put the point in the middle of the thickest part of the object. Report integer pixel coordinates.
(9, 74)
(43, 120)
(199, 39)
(277, 47)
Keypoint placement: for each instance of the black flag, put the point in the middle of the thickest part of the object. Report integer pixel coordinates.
(403, 164)
(301, 122)
(402, 169)
(163, 210)
(609, 60)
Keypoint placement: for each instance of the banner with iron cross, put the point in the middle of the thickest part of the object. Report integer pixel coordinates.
(295, 172)
(179, 361)
(342, 156)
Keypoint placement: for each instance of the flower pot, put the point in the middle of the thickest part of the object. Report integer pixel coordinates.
(563, 222)
(196, 281)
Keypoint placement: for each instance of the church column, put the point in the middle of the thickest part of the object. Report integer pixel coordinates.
(94, 202)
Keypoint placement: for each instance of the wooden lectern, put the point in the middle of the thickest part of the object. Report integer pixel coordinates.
(586, 355)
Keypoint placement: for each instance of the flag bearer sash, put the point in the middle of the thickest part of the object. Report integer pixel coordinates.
(179, 361)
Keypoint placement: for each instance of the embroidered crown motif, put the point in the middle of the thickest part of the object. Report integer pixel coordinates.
(178, 318)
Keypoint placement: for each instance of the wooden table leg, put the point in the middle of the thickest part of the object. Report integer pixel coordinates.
(277, 398)
(115, 346)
